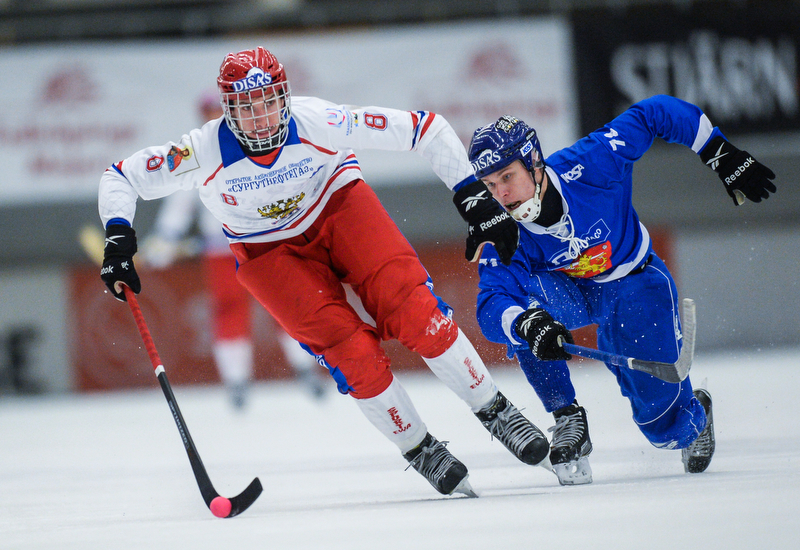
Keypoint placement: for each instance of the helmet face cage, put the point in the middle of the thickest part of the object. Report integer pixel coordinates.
(256, 99)
(495, 146)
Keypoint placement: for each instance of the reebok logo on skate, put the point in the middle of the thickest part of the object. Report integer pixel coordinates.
(395, 416)
(713, 162)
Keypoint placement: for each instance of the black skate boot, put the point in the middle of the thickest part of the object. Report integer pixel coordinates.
(517, 433)
(697, 456)
(444, 471)
(571, 445)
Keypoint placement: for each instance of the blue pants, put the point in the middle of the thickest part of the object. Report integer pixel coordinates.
(636, 316)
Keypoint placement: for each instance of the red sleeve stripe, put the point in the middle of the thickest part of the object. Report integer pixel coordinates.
(118, 167)
(211, 177)
(420, 117)
(415, 122)
(317, 147)
(427, 125)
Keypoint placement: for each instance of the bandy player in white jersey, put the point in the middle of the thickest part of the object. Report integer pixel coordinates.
(279, 174)
(229, 302)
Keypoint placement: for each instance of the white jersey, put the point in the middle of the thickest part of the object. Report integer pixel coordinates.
(281, 198)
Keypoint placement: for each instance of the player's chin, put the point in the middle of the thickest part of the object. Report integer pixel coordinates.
(268, 132)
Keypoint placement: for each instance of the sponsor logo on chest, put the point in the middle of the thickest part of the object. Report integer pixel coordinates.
(282, 208)
(289, 173)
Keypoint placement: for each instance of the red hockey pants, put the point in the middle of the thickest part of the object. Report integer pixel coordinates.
(354, 241)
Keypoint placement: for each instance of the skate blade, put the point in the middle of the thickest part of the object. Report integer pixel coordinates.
(577, 472)
(465, 488)
(546, 464)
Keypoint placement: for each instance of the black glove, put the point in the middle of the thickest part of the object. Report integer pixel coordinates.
(742, 175)
(487, 222)
(543, 334)
(120, 246)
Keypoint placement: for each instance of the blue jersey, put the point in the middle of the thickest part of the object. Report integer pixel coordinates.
(599, 238)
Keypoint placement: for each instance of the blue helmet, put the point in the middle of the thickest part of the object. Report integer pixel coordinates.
(497, 145)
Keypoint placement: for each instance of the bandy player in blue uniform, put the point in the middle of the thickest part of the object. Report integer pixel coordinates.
(584, 257)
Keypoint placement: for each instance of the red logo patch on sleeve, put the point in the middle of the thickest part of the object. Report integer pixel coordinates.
(155, 163)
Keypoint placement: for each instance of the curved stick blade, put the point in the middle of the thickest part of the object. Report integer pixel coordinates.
(669, 372)
(243, 500)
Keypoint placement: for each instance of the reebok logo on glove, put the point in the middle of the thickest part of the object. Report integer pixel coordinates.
(487, 222)
(543, 334)
(739, 171)
(529, 320)
(538, 338)
(469, 202)
(118, 268)
(113, 240)
(713, 162)
(741, 174)
(494, 221)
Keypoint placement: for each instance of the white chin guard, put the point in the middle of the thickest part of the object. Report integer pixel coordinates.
(528, 210)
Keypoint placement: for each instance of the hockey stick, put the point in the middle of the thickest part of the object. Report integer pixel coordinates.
(92, 240)
(669, 372)
(220, 506)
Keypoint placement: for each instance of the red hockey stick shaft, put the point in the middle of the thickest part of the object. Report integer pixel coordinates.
(149, 345)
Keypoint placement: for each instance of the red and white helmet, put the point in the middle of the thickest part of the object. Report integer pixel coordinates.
(255, 98)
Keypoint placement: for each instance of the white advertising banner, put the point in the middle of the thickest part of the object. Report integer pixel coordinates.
(67, 112)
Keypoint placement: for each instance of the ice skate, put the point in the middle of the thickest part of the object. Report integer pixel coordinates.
(571, 445)
(517, 433)
(444, 471)
(697, 456)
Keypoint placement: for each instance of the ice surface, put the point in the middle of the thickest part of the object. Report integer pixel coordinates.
(109, 471)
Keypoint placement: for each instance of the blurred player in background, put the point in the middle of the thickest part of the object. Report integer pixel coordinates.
(230, 301)
(279, 174)
(585, 258)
